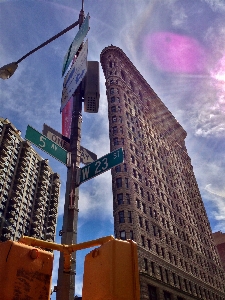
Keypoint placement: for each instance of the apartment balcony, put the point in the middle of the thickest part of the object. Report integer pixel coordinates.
(35, 231)
(51, 229)
(40, 193)
(15, 198)
(37, 218)
(52, 216)
(13, 208)
(51, 222)
(53, 204)
(2, 207)
(36, 225)
(50, 236)
(53, 211)
(8, 229)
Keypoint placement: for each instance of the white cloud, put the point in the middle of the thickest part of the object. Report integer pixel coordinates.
(217, 206)
(96, 200)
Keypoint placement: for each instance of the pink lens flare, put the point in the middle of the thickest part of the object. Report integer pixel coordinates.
(175, 53)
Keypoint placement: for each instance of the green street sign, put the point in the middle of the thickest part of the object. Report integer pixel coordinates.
(101, 165)
(42, 142)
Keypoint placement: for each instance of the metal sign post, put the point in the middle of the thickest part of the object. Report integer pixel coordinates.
(66, 281)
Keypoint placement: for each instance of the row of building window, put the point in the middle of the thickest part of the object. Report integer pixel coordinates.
(172, 278)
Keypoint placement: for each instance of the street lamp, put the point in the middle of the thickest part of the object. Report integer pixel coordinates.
(8, 70)
(66, 281)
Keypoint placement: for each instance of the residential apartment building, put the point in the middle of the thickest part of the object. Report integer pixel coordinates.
(29, 189)
(156, 200)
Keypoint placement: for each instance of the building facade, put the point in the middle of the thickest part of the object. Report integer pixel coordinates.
(29, 189)
(219, 239)
(156, 200)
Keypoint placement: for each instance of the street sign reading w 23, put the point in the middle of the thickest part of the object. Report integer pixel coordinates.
(101, 165)
(46, 144)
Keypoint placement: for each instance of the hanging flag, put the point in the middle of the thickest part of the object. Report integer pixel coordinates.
(75, 44)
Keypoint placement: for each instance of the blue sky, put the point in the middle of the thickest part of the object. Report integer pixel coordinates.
(177, 45)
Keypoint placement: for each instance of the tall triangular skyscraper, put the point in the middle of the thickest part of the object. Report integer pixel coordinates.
(156, 200)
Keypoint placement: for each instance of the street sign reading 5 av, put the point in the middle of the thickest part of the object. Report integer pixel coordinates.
(46, 144)
(101, 165)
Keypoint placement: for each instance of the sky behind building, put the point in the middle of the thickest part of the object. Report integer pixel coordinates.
(179, 48)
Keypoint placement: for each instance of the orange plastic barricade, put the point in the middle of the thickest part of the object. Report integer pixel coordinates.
(111, 272)
(25, 272)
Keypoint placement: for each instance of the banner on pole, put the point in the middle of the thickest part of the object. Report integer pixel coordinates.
(75, 44)
(74, 76)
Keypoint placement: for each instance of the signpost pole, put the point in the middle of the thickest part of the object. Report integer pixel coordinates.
(66, 281)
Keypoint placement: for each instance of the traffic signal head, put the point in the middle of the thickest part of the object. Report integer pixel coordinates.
(111, 272)
(25, 272)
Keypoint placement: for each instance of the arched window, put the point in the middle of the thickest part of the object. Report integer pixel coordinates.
(140, 95)
(132, 86)
(123, 75)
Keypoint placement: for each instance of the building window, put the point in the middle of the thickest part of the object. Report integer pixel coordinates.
(114, 119)
(143, 241)
(129, 217)
(123, 235)
(140, 221)
(146, 225)
(124, 167)
(113, 108)
(131, 235)
(174, 279)
(167, 296)
(112, 91)
(128, 198)
(118, 168)
(113, 99)
(161, 272)
(132, 86)
(119, 182)
(153, 267)
(138, 203)
(115, 130)
(144, 207)
(120, 199)
(149, 244)
(115, 141)
(145, 264)
(123, 75)
(152, 292)
(167, 275)
(121, 217)
(126, 183)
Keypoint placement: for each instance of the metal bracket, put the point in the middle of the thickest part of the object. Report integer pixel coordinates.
(68, 159)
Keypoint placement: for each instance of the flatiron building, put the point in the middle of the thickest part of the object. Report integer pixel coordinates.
(156, 199)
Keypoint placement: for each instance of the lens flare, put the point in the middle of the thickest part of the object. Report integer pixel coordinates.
(219, 71)
(175, 53)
